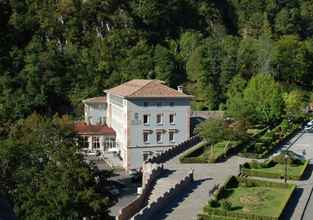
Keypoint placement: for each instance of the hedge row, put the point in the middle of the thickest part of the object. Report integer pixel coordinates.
(193, 156)
(213, 213)
(262, 173)
(216, 217)
(189, 157)
(235, 147)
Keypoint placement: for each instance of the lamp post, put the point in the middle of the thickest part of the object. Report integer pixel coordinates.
(286, 160)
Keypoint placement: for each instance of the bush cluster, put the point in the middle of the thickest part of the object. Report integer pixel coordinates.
(263, 145)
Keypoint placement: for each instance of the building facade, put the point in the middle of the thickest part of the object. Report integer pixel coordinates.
(137, 119)
(148, 117)
(97, 137)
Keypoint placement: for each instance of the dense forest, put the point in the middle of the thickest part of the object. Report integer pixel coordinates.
(54, 53)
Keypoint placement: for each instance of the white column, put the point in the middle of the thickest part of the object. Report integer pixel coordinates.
(101, 139)
(90, 142)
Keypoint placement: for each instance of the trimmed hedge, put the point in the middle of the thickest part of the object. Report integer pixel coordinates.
(198, 155)
(194, 155)
(261, 173)
(211, 213)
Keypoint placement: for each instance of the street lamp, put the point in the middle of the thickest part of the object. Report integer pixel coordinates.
(286, 160)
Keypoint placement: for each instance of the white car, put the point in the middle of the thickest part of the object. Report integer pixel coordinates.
(308, 128)
(310, 123)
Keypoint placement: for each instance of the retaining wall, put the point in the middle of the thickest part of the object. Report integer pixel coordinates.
(148, 211)
(153, 172)
(174, 151)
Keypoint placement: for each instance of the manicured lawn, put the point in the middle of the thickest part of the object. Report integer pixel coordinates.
(218, 149)
(279, 170)
(244, 198)
(276, 168)
(264, 201)
(202, 152)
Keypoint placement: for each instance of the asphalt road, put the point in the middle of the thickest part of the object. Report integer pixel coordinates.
(304, 143)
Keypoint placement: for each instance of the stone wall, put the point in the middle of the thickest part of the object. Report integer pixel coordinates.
(174, 151)
(153, 171)
(148, 211)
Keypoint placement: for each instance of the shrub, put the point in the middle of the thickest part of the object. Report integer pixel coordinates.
(246, 165)
(226, 205)
(214, 203)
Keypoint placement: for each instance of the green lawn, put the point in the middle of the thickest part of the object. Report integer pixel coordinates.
(294, 171)
(202, 152)
(218, 149)
(279, 169)
(244, 198)
(264, 201)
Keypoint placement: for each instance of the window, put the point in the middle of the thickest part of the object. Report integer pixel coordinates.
(159, 119)
(159, 104)
(85, 142)
(146, 155)
(146, 119)
(171, 136)
(159, 137)
(172, 116)
(171, 104)
(145, 104)
(145, 137)
(95, 142)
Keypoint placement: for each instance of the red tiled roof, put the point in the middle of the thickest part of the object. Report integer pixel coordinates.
(99, 99)
(146, 88)
(83, 128)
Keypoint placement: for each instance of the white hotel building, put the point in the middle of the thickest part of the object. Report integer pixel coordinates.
(141, 118)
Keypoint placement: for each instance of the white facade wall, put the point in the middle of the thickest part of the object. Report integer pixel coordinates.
(95, 113)
(126, 118)
(136, 111)
(117, 119)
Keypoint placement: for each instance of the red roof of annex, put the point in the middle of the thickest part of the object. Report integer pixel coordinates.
(83, 128)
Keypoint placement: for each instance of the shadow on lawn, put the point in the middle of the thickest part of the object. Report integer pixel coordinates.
(292, 204)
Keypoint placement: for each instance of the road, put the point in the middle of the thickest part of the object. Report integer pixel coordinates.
(303, 142)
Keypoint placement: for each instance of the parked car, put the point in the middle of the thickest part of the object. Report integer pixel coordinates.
(308, 128)
(135, 176)
(310, 123)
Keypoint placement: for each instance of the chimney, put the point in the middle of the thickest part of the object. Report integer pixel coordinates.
(180, 88)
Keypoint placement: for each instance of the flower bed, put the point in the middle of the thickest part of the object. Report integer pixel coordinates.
(243, 198)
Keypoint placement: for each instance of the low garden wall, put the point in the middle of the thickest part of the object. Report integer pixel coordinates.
(163, 200)
(141, 201)
(174, 151)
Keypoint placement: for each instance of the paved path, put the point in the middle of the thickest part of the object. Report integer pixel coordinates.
(296, 208)
(191, 202)
(305, 187)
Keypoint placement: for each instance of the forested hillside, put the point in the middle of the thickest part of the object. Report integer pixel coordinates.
(251, 57)
(54, 53)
